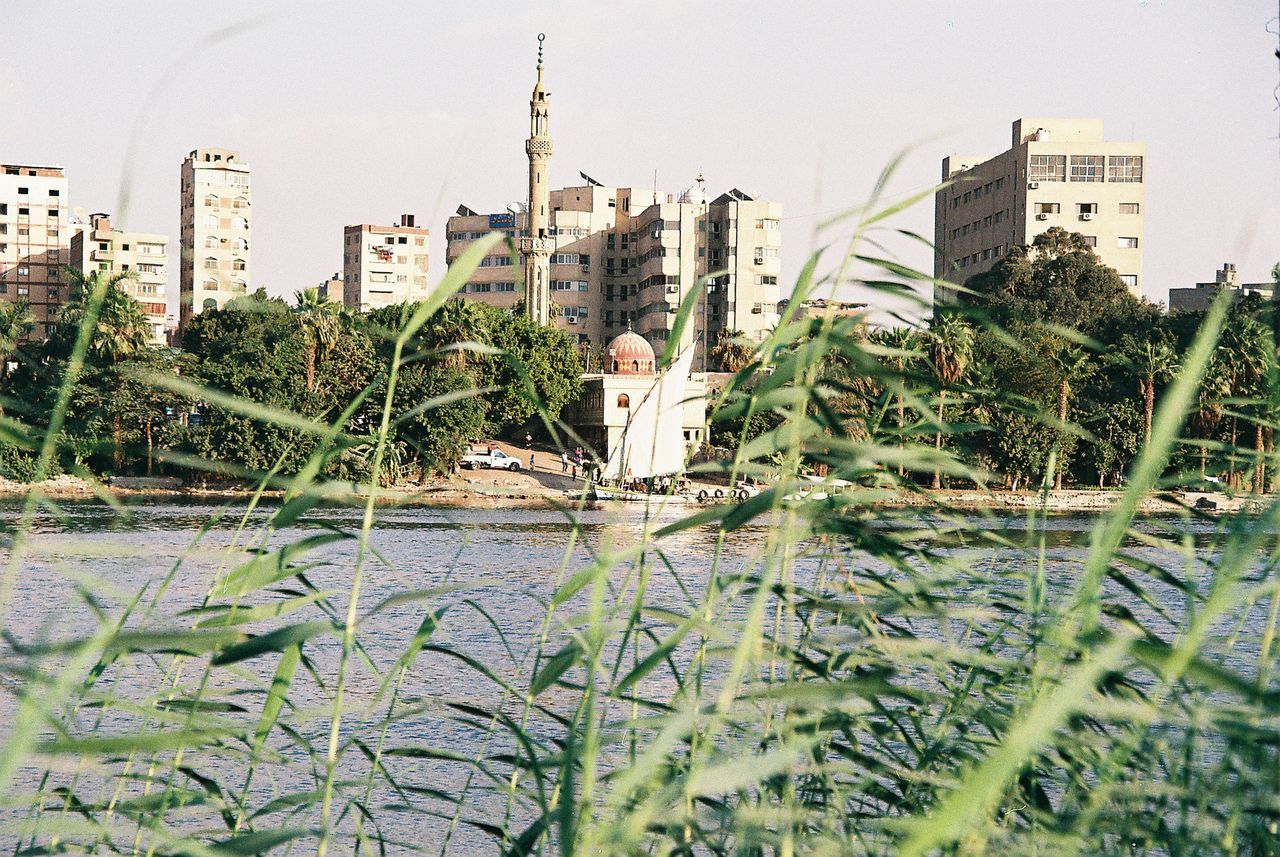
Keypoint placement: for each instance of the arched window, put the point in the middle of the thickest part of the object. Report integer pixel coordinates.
(210, 201)
(624, 401)
(237, 264)
(211, 262)
(240, 222)
(211, 242)
(210, 303)
(211, 221)
(238, 286)
(210, 285)
(635, 365)
(240, 202)
(240, 244)
(614, 370)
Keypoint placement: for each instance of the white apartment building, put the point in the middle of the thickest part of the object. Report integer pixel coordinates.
(626, 257)
(99, 246)
(215, 240)
(34, 240)
(1058, 172)
(384, 265)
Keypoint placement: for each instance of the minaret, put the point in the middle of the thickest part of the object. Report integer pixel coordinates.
(536, 248)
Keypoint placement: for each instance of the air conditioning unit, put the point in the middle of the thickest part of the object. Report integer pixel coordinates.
(572, 319)
(673, 290)
(1033, 185)
(1085, 215)
(759, 260)
(1042, 216)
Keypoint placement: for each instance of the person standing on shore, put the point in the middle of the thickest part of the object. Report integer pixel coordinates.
(564, 461)
(531, 459)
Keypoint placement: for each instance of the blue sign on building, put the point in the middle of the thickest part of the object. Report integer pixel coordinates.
(506, 220)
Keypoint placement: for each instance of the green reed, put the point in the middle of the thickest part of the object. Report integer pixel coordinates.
(868, 682)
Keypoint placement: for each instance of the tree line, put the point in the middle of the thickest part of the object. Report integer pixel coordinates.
(1047, 368)
(472, 370)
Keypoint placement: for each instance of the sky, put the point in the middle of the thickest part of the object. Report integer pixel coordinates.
(358, 112)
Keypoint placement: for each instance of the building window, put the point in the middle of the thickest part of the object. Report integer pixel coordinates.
(210, 201)
(1047, 168)
(1086, 168)
(211, 242)
(210, 303)
(240, 202)
(237, 265)
(1086, 208)
(1124, 168)
(1128, 207)
(968, 195)
(210, 285)
(240, 244)
(22, 191)
(1129, 279)
(55, 192)
(211, 262)
(999, 216)
(1091, 240)
(1048, 207)
(1127, 243)
(211, 221)
(240, 223)
(624, 401)
(239, 286)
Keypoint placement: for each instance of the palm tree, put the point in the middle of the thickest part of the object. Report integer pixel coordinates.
(731, 352)
(320, 321)
(16, 322)
(457, 322)
(1245, 351)
(950, 350)
(903, 342)
(1071, 364)
(122, 329)
(1208, 412)
(1154, 362)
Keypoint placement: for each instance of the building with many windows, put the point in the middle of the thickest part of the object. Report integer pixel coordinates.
(383, 265)
(98, 246)
(216, 216)
(1058, 172)
(629, 256)
(598, 259)
(34, 240)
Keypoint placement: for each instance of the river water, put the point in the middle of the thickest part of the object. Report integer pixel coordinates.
(506, 564)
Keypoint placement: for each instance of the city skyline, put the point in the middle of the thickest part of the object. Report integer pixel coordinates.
(439, 121)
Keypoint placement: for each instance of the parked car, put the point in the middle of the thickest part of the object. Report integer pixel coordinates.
(489, 458)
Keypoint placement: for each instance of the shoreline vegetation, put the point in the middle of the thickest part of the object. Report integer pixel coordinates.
(801, 672)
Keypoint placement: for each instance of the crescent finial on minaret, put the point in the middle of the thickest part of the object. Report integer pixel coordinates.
(542, 37)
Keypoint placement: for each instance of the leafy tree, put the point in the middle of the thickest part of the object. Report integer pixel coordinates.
(1058, 279)
(16, 321)
(1070, 364)
(902, 344)
(1152, 360)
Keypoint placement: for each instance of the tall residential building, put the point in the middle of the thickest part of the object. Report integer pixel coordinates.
(215, 239)
(383, 265)
(1058, 172)
(99, 246)
(625, 257)
(34, 240)
(536, 246)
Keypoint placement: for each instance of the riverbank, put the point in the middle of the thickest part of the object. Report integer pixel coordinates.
(545, 489)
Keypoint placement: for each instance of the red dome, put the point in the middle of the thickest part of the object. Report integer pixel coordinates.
(631, 354)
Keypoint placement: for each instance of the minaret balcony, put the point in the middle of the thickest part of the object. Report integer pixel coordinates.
(537, 146)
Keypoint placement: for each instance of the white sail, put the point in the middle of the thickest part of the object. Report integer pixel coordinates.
(652, 443)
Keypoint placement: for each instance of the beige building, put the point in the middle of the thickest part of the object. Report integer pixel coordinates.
(99, 246)
(383, 265)
(34, 241)
(628, 256)
(1200, 297)
(215, 240)
(1058, 172)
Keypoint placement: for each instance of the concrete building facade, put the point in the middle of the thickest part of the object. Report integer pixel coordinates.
(215, 242)
(1058, 172)
(383, 265)
(35, 244)
(625, 256)
(99, 246)
(1201, 296)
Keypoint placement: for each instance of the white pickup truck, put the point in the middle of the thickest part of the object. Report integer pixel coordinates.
(484, 458)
